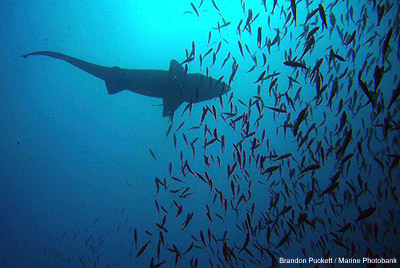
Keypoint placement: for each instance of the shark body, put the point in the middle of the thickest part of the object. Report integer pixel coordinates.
(173, 86)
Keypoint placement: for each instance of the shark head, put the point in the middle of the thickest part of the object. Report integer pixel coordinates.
(192, 88)
(201, 88)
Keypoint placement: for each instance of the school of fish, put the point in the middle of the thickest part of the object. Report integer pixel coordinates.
(332, 193)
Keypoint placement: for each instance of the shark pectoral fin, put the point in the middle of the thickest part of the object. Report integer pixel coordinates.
(174, 97)
(170, 104)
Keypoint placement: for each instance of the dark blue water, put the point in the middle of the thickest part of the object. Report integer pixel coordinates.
(77, 176)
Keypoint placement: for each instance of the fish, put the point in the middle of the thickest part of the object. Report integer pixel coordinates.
(330, 188)
(189, 217)
(299, 120)
(308, 198)
(202, 238)
(225, 60)
(226, 24)
(271, 169)
(395, 95)
(294, 10)
(288, 18)
(259, 37)
(323, 16)
(274, 6)
(279, 110)
(153, 155)
(385, 45)
(248, 20)
(238, 31)
(260, 77)
(187, 60)
(215, 5)
(157, 265)
(214, 59)
(264, 59)
(366, 213)
(285, 210)
(195, 10)
(167, 85)
(351, 38)
(312, 32)
(273, 83)
(218, 48)
(378, 75)
(246, 242)
(295, 64)
(308, 46)
(235, 67)
(284, 240)
(311, 167)
(334, 91)
(135, 237)
(365, 89)
(208, 52)
(241, 49)
(312, 14)
(381, 11)
(284, 156)
(345, 228)
(181, 125)
(142, 249)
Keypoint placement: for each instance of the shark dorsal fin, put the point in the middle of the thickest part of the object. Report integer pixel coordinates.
(176, 77)
(176, 70)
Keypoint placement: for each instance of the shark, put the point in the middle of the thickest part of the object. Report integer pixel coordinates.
(174, 86)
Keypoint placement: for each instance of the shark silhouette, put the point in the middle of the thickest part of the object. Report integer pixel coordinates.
(174, 86)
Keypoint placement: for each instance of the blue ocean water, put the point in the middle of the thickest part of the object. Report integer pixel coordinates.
(77, 176)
